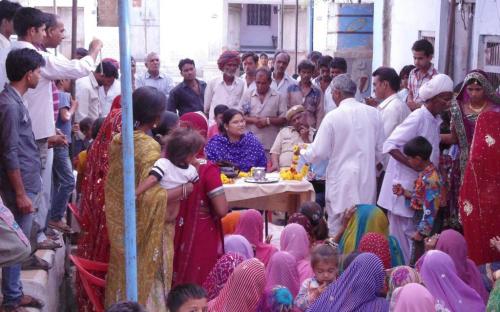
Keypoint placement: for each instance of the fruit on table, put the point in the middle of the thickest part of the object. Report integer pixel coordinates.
(225, 179)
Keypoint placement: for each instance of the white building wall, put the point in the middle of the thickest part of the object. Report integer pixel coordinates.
(192, 33)
(408, 18)
(321, 16)
(486, 22)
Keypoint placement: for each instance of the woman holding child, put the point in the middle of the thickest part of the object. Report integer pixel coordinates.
(154, 226)
(198, 231)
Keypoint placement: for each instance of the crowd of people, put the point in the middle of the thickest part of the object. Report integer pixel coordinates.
(406, 182)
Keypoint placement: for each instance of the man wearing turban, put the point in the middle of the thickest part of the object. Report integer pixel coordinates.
(226, 89)
(424, 121)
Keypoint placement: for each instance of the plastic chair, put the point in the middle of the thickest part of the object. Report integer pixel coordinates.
(76, 213)
(83, 266)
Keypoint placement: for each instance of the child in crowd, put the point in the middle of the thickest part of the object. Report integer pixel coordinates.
(218, 112)
(425, 198)
(181, 147)
(67, 107)
(324, 261)
(187, 298)
(80, 161)
(83, 136)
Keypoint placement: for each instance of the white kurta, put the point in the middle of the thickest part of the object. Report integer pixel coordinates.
(351, 138)
(106, 99)
(419, 123)
(39, 101)
(392, 111)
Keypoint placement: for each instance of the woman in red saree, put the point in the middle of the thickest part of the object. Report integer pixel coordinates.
(94, 242)
(476, 96)
(198, 232)
(479, 199)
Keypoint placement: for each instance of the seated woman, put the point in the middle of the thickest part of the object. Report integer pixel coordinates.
(238, 244)
(235, 145)
(312, 218)
(217, 278)
(440, 276)
(243, 288)
(251, 227)
(294, 240)
(357, 289)
(453, 243)
(365, 219)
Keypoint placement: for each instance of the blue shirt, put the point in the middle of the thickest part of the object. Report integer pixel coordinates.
(64, 126)
(18, 149)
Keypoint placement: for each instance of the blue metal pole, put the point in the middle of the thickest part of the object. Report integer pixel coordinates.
(311, 25)
(128, 153)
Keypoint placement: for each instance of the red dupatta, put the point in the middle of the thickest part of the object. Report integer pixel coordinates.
(479, 199)
(198, 235)
(94, 242)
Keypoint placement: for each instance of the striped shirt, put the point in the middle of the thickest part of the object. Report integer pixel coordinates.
(416, 79)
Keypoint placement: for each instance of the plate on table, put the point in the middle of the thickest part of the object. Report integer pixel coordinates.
(264, 181)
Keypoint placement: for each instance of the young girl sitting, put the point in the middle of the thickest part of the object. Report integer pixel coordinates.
(181, 147)
(324, 261)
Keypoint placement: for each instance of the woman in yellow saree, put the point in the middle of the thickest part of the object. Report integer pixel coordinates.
(154, 235)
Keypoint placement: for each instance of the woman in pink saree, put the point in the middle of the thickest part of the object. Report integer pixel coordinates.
(251, 226)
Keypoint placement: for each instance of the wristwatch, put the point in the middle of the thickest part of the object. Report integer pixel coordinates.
(268, 121)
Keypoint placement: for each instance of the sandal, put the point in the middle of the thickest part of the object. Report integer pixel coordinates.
(35, 263)
(60, 226)
(10, 308)
(31, 302)
(48, 244)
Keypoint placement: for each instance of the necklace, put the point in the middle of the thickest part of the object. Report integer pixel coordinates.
(477, 110)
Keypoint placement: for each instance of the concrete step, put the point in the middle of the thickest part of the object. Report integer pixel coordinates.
(46, 285)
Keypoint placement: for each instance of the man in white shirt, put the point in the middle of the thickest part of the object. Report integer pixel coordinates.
(425, 121)
(7, 11)
(392, 109)
(226, 89)
(29, 24)
(107, 94)
(351, 138)
(110, 88)
(91, 100)
(281, 80)
(153, 77)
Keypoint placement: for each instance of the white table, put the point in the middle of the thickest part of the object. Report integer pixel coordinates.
(284, 196)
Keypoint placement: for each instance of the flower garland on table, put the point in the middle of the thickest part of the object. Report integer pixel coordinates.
(292, 173)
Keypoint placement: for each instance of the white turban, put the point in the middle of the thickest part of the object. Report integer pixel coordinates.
(440, 83)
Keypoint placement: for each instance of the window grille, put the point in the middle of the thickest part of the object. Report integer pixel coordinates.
(259, 14)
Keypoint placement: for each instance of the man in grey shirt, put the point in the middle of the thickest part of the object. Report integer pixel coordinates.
(20, 168)
(153, 77)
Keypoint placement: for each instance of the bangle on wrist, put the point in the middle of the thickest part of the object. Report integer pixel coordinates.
(268, 121)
